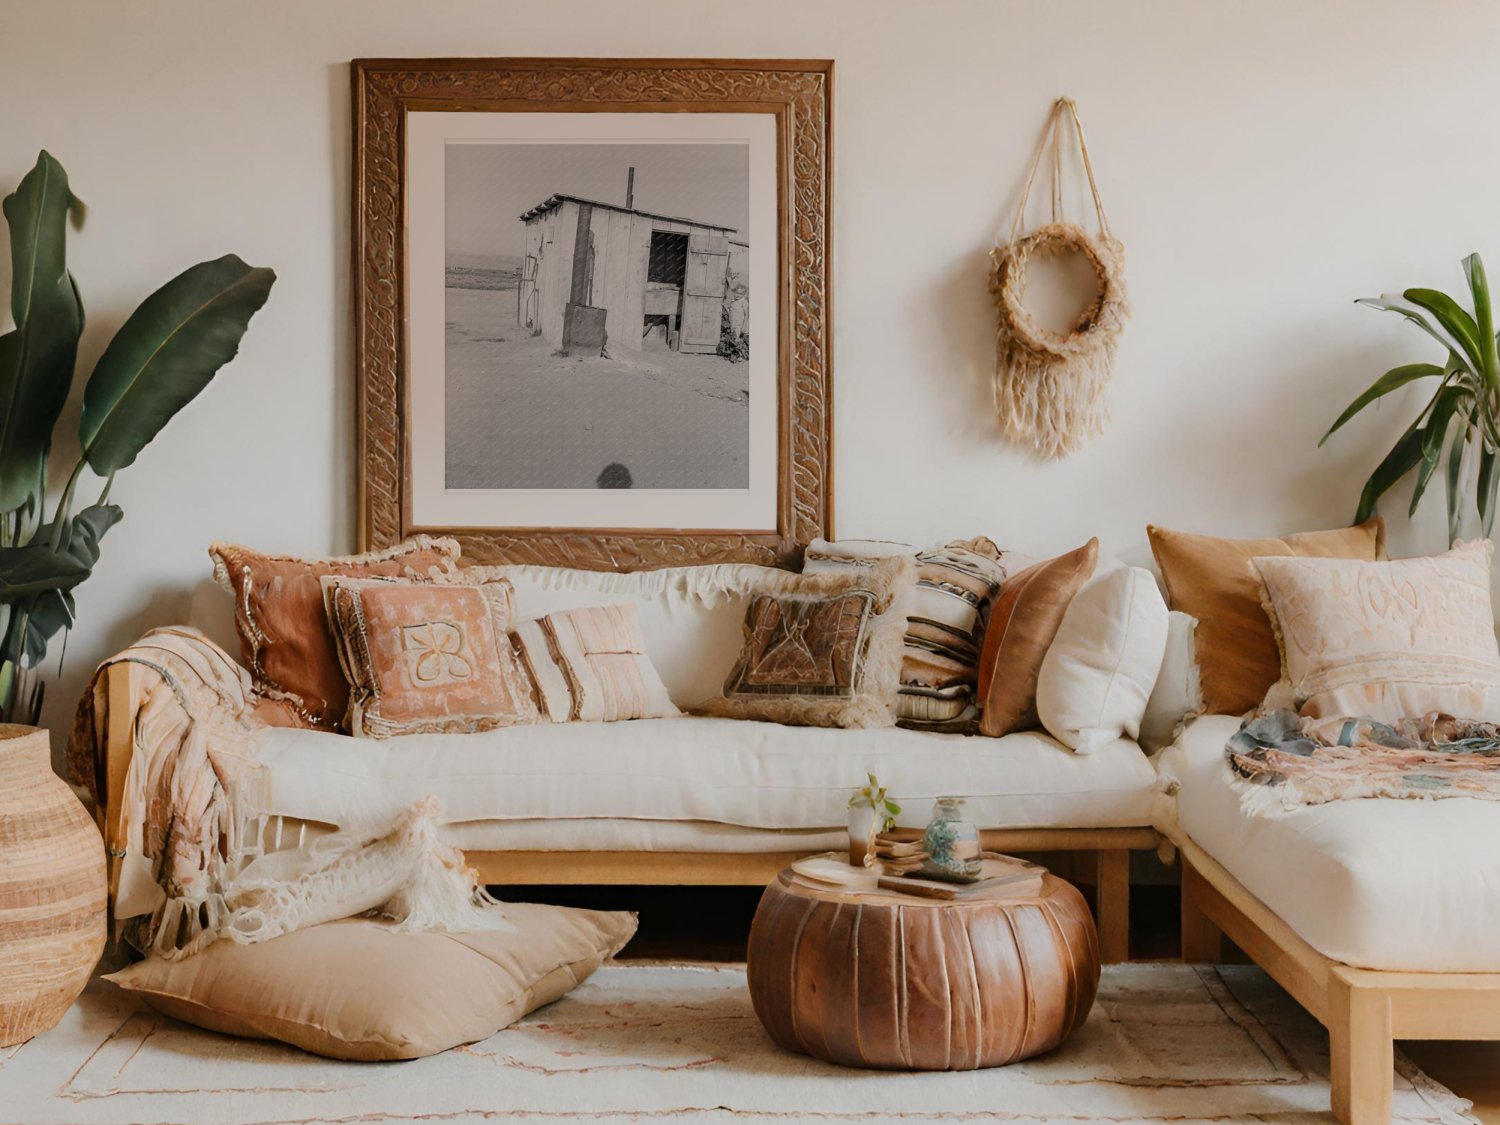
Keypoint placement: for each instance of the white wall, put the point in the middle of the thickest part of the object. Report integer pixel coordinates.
(1264, 164)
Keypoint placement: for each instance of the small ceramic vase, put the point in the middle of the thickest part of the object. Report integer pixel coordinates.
(861, 832)
(951, 843)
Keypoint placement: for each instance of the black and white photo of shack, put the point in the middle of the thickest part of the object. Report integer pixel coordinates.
(602, 275)
(597, 316)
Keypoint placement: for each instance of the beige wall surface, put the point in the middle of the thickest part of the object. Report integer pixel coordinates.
(1264, 164)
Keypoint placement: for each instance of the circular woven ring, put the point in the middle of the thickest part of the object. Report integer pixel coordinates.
(1097, 322)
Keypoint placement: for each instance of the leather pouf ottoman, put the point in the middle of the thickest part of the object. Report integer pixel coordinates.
(889, 980)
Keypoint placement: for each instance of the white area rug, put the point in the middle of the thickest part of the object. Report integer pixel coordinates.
(644, 1042)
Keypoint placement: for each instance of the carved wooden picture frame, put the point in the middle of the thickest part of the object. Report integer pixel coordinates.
(389, 95)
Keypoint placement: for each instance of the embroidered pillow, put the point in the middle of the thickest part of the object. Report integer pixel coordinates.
(823, 649)
(1026, 617)
(1387, 640)
(955, 586)
(424, 657)
(1214, 580)
(590, 665)
(284, 635)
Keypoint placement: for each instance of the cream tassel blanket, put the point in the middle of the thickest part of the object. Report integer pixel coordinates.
(1049, 386)
(192, 866)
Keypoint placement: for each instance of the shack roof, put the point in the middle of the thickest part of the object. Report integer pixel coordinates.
(557, 200)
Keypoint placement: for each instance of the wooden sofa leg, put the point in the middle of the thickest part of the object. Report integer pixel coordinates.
(1361, 1052)
(1112, 886)
(1202, 941)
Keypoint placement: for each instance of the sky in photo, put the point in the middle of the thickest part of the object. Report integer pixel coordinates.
(489, 185)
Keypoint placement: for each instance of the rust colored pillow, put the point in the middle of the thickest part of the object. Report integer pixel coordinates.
(1025, 618)
(1215, 581)
(427, 657)
(284, 635)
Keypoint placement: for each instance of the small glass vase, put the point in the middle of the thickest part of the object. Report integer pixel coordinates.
(951, 843)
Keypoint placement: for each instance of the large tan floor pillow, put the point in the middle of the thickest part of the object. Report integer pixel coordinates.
(358, 990)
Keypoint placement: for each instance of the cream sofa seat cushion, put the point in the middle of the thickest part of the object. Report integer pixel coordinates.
(729, 771)
(1099, 670)
(357, 990)
(1391, 640)
(1378, 884)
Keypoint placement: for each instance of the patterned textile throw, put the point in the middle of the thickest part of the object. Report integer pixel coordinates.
(190, 850)
(1281, 761)
(956, 583)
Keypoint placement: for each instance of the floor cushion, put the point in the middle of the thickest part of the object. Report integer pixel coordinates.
(1376, 883)
(358, 990)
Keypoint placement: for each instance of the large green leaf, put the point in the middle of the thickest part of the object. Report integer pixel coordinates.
(37, 356)
(35, 568)
(1394, 379)
(166, 353)
(1454, 319)
(1402, 458)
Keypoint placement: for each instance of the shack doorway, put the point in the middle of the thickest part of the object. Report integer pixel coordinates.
(666, 267)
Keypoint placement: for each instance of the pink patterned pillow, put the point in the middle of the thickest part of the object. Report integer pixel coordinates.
(590, 665)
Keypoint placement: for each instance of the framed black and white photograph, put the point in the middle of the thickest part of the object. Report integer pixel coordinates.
(578, 373)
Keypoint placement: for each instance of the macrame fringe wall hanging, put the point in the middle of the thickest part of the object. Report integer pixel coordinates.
(1049, 386)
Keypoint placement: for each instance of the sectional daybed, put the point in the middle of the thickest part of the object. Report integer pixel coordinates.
(1380, 916)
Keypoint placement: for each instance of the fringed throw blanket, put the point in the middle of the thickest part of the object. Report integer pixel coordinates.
(191, 841)
(1281, 761)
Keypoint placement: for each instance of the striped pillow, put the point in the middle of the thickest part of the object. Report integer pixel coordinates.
(590, 665)
(956, 584)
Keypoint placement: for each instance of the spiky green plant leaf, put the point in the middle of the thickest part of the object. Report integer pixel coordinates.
(1454, 319)
(1392, 380)
(1402, 458)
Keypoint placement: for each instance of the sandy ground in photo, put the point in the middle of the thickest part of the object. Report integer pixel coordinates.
(519, 415)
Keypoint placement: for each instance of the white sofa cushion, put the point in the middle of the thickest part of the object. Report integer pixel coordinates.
(1378, 884)
(731, 771)
(1101, 665)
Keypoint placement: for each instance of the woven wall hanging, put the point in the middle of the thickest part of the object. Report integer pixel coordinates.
(1049, 386)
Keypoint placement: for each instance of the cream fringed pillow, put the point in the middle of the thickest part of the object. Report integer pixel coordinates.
(823, 650)
(427, 657)
(1388, 640)
(590, 665)
(356, 990)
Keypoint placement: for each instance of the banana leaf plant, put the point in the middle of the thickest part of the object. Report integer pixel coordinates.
(1457, 428)
(164, 354)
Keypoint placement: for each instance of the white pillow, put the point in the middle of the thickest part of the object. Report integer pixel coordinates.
(1178, 694)
(1098, 674)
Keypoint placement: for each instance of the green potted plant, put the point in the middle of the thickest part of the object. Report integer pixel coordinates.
(871, 811)
(164, 354)
(1457, 427)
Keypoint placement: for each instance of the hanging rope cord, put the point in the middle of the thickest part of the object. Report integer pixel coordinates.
(1049, 386)
(1052, 138)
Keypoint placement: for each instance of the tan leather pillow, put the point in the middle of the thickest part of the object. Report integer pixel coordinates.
(1214, 580)
(427, 657)
(357, 990)
(1023, 622)
(285, 640)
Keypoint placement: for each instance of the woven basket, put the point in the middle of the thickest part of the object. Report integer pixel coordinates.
(52, 889)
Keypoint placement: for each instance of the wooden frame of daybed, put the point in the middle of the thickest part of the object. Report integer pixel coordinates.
(1111, 846)
(1364, 1010)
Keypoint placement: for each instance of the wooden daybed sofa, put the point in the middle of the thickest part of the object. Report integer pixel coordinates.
(669, 801)
(1379, 916)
